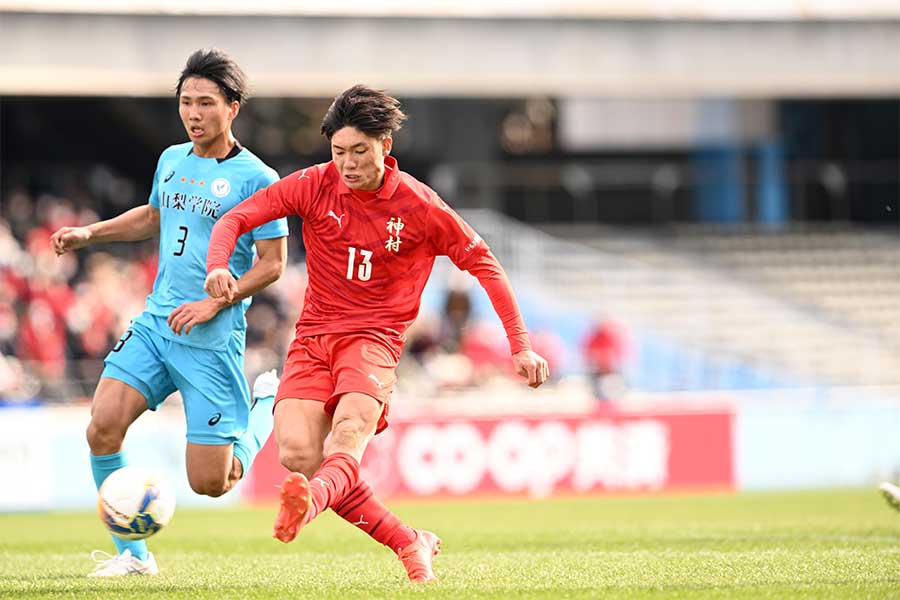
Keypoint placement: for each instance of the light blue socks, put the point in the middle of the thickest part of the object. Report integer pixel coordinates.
(102, 466)
(259, 426)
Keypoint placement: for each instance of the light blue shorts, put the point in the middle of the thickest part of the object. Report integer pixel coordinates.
(212, 382)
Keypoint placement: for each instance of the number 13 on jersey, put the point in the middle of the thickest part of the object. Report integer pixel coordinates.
(364, 271)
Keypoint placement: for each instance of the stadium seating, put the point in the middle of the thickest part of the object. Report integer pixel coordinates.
(726, 308)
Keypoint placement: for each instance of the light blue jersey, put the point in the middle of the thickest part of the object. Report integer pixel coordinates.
(206, 365)
(191, 194)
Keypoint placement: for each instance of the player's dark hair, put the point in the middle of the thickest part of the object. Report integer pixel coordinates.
(371, 111)
(218, 67)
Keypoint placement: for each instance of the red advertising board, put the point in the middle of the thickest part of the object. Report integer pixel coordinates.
(538, 455)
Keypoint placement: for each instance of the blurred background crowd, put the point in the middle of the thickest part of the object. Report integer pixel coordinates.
(666, 227)
(59, 316)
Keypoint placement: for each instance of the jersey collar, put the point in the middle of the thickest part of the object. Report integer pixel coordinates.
(235, 150)
(388, 187)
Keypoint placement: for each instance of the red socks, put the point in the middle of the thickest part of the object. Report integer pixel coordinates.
(336, 477)
(360, 507)
(337, 485)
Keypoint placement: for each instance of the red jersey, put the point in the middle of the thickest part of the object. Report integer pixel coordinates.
(369, 255)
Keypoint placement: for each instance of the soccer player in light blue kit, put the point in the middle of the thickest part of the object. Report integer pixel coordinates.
(184, 339)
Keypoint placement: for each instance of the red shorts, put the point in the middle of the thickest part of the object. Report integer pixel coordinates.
(327, 366)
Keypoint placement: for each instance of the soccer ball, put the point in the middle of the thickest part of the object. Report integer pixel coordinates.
(134, 504)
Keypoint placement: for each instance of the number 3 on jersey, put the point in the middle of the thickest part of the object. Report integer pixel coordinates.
(364, 272)
(184, 231)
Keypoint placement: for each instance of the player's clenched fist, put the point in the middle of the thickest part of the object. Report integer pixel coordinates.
(220, 284)
(69, 238)
(532, 366)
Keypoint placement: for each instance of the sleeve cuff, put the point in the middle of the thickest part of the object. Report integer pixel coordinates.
(518, 343)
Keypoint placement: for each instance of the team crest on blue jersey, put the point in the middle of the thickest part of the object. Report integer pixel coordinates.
(220, 187)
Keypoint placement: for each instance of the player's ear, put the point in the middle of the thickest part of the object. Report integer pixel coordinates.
(234, 109)
(386, 144)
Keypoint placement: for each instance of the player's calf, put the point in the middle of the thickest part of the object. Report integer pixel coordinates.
(355, 421)
(210, 468)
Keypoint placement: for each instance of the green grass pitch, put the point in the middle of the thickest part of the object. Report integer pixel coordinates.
(814, 544)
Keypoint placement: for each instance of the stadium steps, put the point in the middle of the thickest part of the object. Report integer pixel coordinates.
(680, 293)
(850, 275)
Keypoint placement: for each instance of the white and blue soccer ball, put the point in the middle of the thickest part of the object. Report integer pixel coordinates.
(134, 504)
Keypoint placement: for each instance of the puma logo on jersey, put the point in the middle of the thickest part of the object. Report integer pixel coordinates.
(376, 380)
(337, 218)
(320, 481)
(361, 521)
(303, 175)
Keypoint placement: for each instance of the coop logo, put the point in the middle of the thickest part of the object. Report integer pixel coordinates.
(521, 457)
(220, 187)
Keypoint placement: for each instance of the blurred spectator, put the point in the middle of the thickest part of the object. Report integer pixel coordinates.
(454, 350)
(9, 326)
(422, 339)
(15, 385)
(59, 316)
(42, 340)
(18, 211)
(486, 348)
(457, 311)
(264, 334)
(606, 349)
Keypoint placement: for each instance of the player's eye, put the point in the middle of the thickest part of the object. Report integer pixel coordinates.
(360, 151)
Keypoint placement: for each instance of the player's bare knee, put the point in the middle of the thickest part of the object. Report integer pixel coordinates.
(237, 471)
(300, 459)
(300, 464)
(104, 437)
(216, 490)
(212, 487)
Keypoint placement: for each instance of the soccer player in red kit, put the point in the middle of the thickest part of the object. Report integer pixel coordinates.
(372, 233)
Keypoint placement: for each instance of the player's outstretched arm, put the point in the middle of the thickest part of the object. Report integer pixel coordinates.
(284, 197)
(272, 260)
(527, 363)
(224, 290)
(452, 236)
(139, 223)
